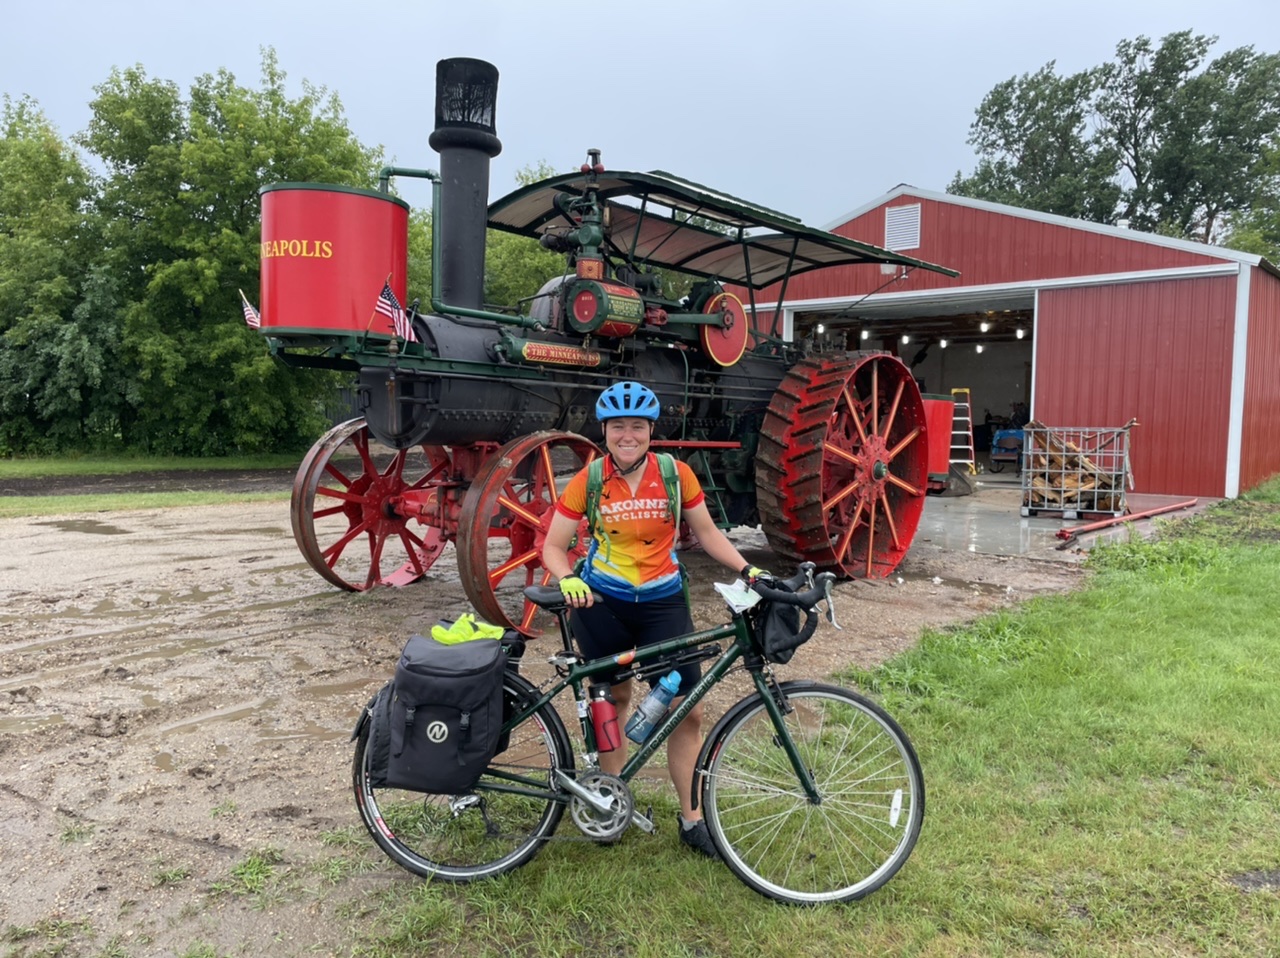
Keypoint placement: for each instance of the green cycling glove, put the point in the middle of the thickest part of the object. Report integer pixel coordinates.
(574, 588)
(751, 573)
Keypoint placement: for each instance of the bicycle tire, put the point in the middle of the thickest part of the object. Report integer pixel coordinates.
(766, 829)
(485, 832)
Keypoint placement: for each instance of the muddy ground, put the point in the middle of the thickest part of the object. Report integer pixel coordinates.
(177, 690)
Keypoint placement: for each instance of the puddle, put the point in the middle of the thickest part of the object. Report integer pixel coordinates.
(87, 526)
(165, 761)
(28, 723)
(231, 713)
(313, 732)
(982, 588)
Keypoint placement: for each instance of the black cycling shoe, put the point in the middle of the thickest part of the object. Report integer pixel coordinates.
(698, 838)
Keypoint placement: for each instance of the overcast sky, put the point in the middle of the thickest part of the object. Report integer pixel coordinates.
(813, 107)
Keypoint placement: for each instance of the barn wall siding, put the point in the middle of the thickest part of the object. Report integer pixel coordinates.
(1260, 446)
(1158, 352)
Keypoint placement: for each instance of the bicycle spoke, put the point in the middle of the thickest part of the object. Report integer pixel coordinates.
(842, 847)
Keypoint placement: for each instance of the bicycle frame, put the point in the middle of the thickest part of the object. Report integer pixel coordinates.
(738, 631)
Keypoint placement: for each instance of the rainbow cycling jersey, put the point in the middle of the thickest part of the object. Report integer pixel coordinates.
(640, 562)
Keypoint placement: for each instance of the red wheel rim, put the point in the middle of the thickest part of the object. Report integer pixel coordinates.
(345, 514)
(842, 469)
(505, 517)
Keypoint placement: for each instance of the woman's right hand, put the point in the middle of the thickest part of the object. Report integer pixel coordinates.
(576, 592)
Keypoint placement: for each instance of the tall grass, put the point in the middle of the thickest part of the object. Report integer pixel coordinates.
(1102, 773)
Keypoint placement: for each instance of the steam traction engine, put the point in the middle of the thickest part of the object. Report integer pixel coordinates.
(475, 418)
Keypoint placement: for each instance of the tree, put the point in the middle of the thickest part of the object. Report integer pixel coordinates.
(1035, 150)
(183, 213)
(54, 356)
(516, 267)
(1175, 145)
(1257, 230)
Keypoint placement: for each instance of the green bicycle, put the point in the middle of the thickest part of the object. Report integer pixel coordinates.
(811, 792)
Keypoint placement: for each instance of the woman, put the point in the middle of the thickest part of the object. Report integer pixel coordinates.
(631, 562)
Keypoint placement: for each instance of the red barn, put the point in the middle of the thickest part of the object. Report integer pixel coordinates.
(1089, 325)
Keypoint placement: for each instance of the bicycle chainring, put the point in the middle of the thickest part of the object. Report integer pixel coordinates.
(603, 827)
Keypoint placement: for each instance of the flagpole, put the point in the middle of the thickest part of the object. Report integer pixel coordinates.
(372, 316)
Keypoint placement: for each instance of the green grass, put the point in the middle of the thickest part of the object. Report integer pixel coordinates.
(1101, 779)
(16, 507)
(117, 465)
(13, 507)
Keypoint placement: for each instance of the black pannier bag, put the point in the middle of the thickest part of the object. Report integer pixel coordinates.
(437, 723)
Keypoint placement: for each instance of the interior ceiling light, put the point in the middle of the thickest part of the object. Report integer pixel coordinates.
(822, 329)
(942, 343)
(984, 325)
(1021, 332)
(978, 347)
(866, 334)
(905, 339)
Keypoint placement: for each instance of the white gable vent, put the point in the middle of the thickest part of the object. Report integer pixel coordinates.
(902, 227)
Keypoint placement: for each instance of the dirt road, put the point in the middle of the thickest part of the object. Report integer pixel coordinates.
(176, 693)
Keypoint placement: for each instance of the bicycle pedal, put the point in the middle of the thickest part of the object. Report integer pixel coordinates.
(644, 822)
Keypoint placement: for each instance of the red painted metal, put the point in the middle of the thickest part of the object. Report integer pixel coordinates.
(505, 516)
(1158, 352)
(842, 464)
(1075, 531)
(724, 345)
(343, 514)
(939, 414)
(987, 247)
(694, 444)
(1260, 443)
(325, 256)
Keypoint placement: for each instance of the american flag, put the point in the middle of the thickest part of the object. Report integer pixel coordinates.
(250, 314)
(389, 306)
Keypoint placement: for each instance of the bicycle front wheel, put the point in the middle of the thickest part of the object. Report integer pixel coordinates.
(496, 826)
(772, 836)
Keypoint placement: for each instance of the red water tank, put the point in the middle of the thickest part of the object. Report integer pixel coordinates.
(939, 411)
(326, 253)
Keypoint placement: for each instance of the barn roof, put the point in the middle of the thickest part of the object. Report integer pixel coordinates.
(1136, 236)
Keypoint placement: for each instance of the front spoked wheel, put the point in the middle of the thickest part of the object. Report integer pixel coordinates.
(769, 832)
(497, 826)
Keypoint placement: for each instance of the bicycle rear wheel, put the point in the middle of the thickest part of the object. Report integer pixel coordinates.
(769, 833)
(497, 826)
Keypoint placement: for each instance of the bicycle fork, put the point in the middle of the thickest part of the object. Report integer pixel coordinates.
(774, 703)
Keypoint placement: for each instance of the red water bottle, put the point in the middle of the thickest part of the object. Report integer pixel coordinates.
(604, 718)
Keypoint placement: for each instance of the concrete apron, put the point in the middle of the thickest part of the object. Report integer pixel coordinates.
(989, 522)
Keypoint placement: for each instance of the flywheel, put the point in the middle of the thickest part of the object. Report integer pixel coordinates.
(842, 466)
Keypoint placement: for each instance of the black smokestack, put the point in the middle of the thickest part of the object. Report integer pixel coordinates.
(466, 139)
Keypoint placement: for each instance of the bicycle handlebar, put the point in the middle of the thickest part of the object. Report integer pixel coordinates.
(820, 587)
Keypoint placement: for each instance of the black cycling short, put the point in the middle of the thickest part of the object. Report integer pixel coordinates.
(611, 626)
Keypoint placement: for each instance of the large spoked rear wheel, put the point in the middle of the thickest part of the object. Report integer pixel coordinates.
(771, 836)
(842, 465)
(497, 826)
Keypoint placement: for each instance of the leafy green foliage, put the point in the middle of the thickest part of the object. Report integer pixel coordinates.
(1157, 136)
(53, 355)
(119, 310)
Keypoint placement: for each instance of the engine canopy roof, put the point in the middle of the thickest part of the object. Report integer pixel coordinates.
(659, 220)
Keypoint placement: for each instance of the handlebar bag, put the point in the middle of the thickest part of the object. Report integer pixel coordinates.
(778, 628)
(443, 714)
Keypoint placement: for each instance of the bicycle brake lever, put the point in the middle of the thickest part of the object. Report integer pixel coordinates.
(831, 608)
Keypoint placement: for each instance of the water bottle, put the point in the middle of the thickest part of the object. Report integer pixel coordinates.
(654, 707)
(604, 718)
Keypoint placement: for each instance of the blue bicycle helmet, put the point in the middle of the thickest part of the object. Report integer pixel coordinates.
(627, 399)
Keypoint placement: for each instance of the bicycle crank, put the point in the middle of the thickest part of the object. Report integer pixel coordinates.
(602, 805)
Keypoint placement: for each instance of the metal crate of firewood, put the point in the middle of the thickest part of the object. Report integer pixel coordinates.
(1074, 472)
